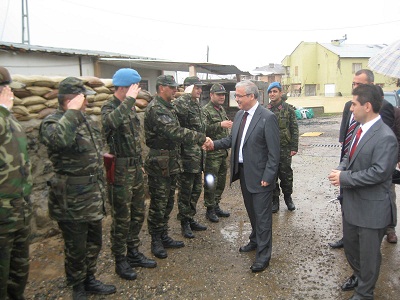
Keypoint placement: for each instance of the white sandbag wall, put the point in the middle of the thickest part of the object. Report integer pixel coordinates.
(39, 97)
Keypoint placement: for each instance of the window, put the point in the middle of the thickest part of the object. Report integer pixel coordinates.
(356, 67)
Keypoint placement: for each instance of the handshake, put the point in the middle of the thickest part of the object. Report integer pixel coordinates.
(208, 144)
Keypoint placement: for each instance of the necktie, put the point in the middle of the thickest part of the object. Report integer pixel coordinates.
(353, 148)
(349, 134)
(239, 138)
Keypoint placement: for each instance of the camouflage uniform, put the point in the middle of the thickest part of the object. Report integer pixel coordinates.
(289, 141)
(216, 160)
(121, 126)
(192, 117)
(76, 195)
(164, 136)
(15, 207)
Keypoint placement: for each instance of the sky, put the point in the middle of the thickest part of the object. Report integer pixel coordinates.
(247, 34)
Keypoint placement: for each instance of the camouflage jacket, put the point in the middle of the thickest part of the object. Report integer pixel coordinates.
(121, 127)
(74, 147)
(288, 127)
(164, 136)
(215, 114)
(191, 116)
(15, 174)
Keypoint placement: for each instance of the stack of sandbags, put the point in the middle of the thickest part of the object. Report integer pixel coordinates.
(39, 96)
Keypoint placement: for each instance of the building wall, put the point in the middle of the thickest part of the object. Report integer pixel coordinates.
(45, 64)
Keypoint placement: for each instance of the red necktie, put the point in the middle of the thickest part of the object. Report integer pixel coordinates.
(353, 148)
(349, 135)
(238, 140)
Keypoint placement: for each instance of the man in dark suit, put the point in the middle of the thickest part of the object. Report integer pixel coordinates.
(363, 76)
(365, 175)
(254, 160)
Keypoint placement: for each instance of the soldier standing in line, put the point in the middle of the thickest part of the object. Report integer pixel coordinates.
(121, 126)
(190, 182)
(218, 126)
(289, 139)
(164, 136)
(76, 195)
(15, 204)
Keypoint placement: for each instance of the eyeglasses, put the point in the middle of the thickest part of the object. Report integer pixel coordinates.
(240, 96)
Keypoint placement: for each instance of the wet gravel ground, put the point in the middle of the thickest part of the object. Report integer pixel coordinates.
(210, 265)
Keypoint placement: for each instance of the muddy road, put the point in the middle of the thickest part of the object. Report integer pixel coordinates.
(210, 265)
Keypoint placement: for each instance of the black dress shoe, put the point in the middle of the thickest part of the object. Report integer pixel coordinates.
(247, 248)
(337, 245)
(197, 226)
(259, 267)
(350, 283)
(93, 286)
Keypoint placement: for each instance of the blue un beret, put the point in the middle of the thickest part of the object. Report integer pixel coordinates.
(126, 77)
(274, 85)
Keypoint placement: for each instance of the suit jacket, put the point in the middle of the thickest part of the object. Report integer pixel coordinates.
(366, 178)
(386, 112)
(261, 149)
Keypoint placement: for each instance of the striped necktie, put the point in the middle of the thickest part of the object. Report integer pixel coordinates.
(349, 134)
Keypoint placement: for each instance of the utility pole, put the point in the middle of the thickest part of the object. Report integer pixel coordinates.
(25, 23)
(208, 52)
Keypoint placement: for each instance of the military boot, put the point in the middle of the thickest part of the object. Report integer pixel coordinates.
(186, 230)
(138, 259)
(157, 247)
(210, 215)
(78, 292)
(123, 269)
(168, 242)
(289, 202)
(196, 225)
(275, 204)
(93, 286)
(221, 213)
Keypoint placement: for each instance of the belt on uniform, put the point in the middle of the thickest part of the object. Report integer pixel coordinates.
(162, 152)
(127, 161)
(81, 179)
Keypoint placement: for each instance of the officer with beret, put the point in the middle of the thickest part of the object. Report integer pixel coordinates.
(164, 136)
(76, 195)
(192, 117)
(218, 126)
(289, 141)
(15, 188)
(121, 126)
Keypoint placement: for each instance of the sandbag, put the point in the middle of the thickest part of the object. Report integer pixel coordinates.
(27, 80)
(107, 82)
(35, 108)
(143, 94)
(141, 103)
(26, 118)
(45, 112)
(93, 110)
(17, 101)
(101, 97)
(22, 93)
(91, 81)
(52, 103)
(32, 100)
(102, 89)
(39, 90)
(97, 103)
(43, 81)
(21, 110)
(90, 98)
(51, 95)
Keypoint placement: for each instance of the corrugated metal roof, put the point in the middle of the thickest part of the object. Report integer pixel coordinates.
(126, 60)
(354, 50)
(269, 70)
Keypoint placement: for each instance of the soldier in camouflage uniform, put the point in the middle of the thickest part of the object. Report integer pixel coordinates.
(76, 195)
(191, 116)
(289, 140)
(15, 188)
(121, 126)
(164, 136)
(218, 126)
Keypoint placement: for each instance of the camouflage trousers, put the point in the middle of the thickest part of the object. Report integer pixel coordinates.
(126, 198)
(82, 244)
(285, 174)
(14, 263)
(217, 167)
(162, 198)
(190, 187)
